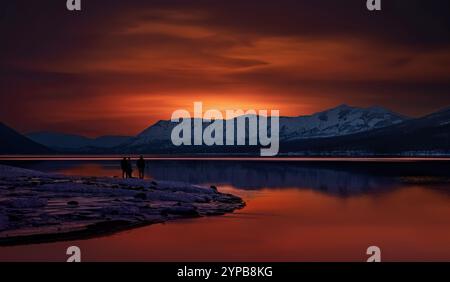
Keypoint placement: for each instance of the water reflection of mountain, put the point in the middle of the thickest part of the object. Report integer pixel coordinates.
(336, 178)
(260, 175)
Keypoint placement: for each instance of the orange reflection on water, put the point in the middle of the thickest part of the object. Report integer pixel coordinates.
(410, 223)
(91, 169)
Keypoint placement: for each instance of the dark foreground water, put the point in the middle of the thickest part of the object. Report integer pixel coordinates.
(296, 211)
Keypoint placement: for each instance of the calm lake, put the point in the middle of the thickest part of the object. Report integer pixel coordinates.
(297, 210)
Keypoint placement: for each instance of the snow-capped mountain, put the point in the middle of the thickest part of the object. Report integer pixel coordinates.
(339, 121)
(425, 136)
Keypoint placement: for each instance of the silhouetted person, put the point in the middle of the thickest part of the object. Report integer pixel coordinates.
(129, 168)
(124, 167)
(141, 167)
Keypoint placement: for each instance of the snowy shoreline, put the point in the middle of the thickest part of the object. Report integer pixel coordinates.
(38, 207)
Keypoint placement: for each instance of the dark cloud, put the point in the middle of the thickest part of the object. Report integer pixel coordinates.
(95, 67)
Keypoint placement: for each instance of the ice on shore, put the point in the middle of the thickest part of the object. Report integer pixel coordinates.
(36, 206)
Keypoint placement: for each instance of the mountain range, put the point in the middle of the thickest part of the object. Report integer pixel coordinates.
(343, 130)
(342, 120)
(425, 136)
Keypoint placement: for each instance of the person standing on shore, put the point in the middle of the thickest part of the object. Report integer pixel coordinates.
(124, 167)
(129, 168)
(141, 166)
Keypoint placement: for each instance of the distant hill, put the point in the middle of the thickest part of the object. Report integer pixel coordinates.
(12, 142)
(60, 141)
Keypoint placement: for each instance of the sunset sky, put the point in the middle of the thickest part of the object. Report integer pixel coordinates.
(116, 67)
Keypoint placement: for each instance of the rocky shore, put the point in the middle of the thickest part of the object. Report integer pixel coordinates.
(38, 207)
